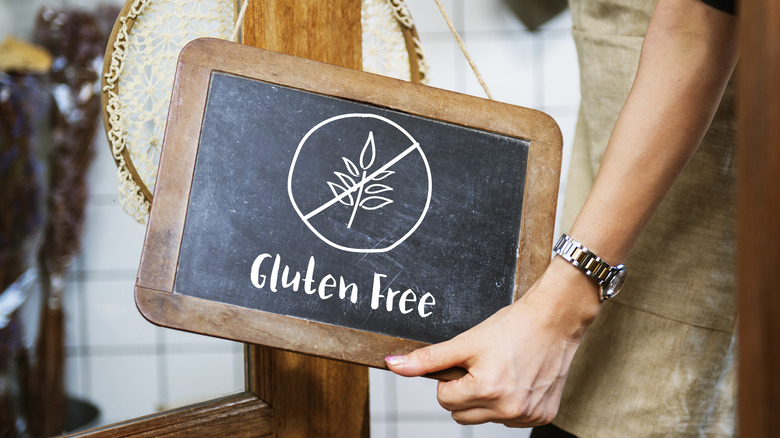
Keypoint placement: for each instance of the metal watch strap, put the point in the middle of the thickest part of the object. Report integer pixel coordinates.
(602, 272)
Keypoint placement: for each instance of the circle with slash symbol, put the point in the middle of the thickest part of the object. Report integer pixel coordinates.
(360, 182)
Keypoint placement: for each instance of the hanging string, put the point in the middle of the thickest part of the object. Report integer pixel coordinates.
(464, 50)
(239, 20)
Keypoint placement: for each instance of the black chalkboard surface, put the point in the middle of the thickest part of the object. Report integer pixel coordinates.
(383, 221)
(314, 202)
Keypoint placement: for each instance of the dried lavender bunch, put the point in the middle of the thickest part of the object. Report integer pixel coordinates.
(23, 107)
(77, 42)
(21, 102)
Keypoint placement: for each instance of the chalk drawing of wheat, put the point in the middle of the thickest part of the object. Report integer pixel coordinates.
(367, 193)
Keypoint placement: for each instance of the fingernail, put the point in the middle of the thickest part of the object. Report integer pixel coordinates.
(396, 360)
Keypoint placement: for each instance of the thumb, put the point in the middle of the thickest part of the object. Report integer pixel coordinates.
(426, 360)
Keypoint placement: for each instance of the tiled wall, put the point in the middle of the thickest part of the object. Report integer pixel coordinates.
(129, 367)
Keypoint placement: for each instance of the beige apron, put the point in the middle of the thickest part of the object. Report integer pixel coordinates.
(660, 358)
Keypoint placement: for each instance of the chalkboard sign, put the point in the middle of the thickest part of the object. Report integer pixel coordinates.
(332, 212)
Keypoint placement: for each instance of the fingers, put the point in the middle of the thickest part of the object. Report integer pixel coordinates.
(478, 390)
(426, 360)
(474, 401)
(484, 415)
(459, 394)
(513, 408)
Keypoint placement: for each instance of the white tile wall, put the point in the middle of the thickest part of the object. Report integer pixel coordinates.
(129, 367)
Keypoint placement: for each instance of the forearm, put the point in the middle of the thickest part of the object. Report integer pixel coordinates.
(686, 60)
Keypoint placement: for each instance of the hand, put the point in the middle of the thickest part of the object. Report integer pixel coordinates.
(518, 359)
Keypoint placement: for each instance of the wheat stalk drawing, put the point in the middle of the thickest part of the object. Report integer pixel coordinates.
(367, 196)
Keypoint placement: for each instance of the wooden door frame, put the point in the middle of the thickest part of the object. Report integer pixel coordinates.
(759, 218)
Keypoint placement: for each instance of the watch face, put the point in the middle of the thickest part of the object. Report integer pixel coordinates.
(615, 283)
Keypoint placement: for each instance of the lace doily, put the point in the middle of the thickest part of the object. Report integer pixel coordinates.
(389, 39)
(138, 74)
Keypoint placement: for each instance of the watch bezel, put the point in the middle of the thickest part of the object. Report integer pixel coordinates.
(614, 283)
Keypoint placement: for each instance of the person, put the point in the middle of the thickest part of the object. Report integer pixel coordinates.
(658, 359)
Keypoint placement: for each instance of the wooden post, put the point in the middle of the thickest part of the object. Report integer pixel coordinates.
(759, 219)
(323, 31)
(311, 397)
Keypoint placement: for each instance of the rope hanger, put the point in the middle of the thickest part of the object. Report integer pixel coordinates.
(461, 44)
(239, 20)
(463, 49)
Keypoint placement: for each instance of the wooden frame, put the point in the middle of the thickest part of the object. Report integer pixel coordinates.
(198, 60)
(126, 10)
(758, 210)
(242, 414)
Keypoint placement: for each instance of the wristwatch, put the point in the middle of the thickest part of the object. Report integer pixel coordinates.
(609, 278)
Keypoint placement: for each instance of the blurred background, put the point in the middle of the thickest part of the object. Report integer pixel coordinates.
(126, 367)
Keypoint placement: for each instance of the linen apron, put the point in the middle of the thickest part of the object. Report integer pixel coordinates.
(660, 359)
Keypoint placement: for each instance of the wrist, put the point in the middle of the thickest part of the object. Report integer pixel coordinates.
(569, 297)
(578, 291)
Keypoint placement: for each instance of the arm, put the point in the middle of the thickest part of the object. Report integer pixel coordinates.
(518, 359)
